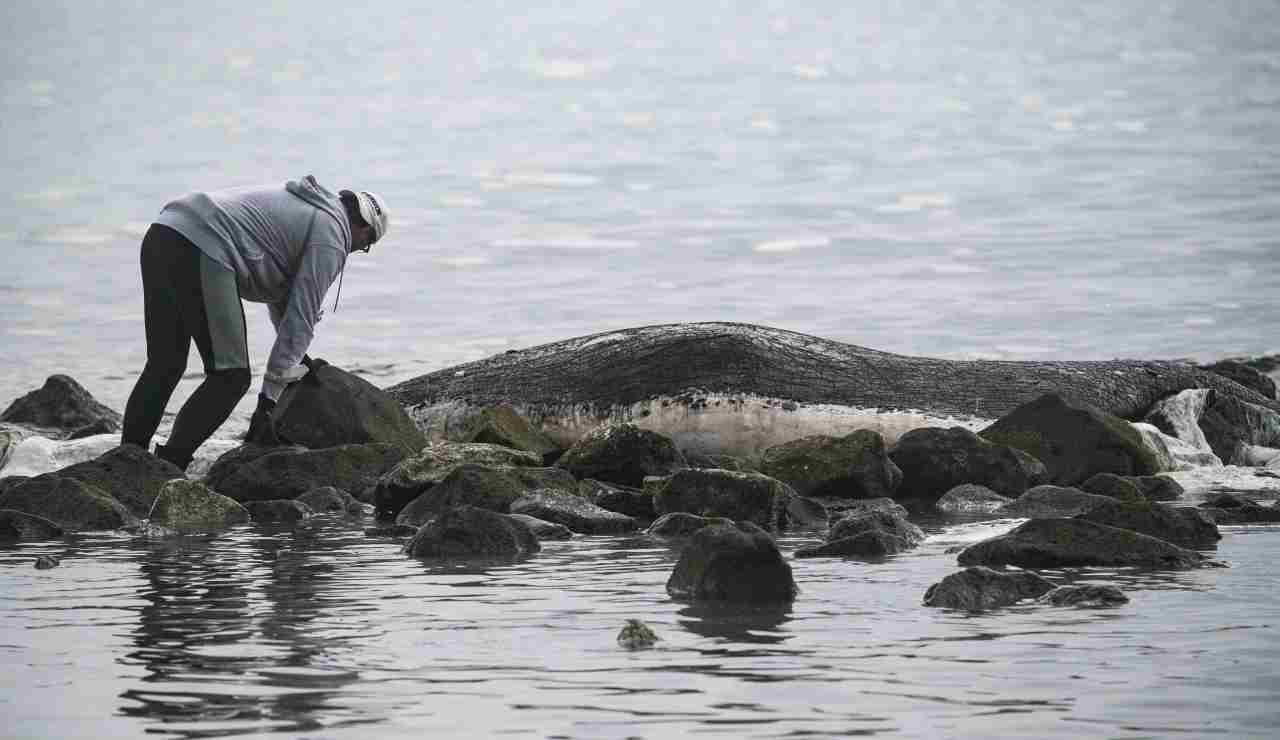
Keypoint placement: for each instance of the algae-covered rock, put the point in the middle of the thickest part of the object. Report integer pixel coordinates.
(288, 472)
(623, 454)
(471, 532)
(573, 511)
(501, 425)
(934, 461)
(21, 526)
(490, 487)
(1074, 543)
(128, 473)
(1181, 526)
(61, 404)
(1158, 487)
(415, 474)
(636, 634)
(884, 521)
(69, 503)
(712, 492)
(979, 588)
(682, 524)
(854, 466)
(1117, 487)
(331, 407)
(739, 563)
(191, 506)
(970, 499)
(1074, 440)
(1085, 596)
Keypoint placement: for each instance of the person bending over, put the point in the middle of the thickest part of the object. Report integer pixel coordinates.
(278, 245)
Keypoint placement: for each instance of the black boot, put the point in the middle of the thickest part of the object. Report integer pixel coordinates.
(181, 458)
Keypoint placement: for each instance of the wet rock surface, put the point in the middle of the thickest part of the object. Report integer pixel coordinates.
(288, 472)
(1085, 596)
(633, 502)
(1074, 543)
(682, 524)
(416, 474)
(873, 543)
(331, 500)
(543, 529)
(1181, 525)
(622, 454)
(191, 506)
(471, 532)
(738, 563)
(331, 407)
(501, 425)
(128, 473)
(1230, 423)
(278, 510)
(1249, 377)
(1231, 508)
(970, 498)
(69, 503)
(853, 466)
(485, 486)
(573, 511)
(1052, 501)
(749, 497)
(934, 461)
(20, 526)
(979, 588)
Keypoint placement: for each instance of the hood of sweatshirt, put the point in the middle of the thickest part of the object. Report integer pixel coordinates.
(327, 201)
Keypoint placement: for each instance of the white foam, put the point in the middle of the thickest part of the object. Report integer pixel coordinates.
(793, 244)
(974, 531)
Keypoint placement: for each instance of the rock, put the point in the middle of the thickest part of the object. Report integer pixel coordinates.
(934, 460)
(838, 509)
(11, 481)
(854, 466)
(1051, 501)
(633, 502)
(979, 588)
(471, 532)
(68, 503)
(971, 499)
(1158, 487)
(330, 500)
(278, 510)
(1115, 486)
(723, 493)
(61, 404)
(128, 473)
(1229, 423)
(20, 526)
(722, 462)
(1245, 375)
(807, 512)
(1085, 596)
(483, 486)
(501, 425)
(288, 472)
(739, 563)
(414, 475)
(191, 506)
(45, 562)
(1074, 543)
(883, 521)
(543, 529)
(573, 511)
(331, 407)
(1181, 526)
(1073, 440)
(682, 524)
(869, 544)
(622, 454)
(1179, 416)
(391, 530)
(636, 634)
(101, 426)
(1229, 508)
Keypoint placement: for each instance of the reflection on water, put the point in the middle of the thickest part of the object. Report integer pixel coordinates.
(319, 631)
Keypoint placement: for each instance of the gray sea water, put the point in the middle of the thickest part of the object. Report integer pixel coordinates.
(1049, 180)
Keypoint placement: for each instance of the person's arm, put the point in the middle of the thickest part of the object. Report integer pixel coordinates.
(320, 266)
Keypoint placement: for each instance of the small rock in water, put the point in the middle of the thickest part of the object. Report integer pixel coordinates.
(45, 562)
(636, 634)
(1085, 596)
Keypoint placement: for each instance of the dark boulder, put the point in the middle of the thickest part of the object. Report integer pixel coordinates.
(802, 511)
(45, 562)
(20, 526)
(1158, 487)
(1229, 423)
(1085, 595)
(723, 462)
(63, 405)
(471, 532)
(191, 506)
(623, 454)
(1074, 543)
(330, 500)
(288, 472)
(935, 460)
(68, 503)
(128, 473)
(1230, 508)
(979, 588)
(724, 493)
(501, 425)
(633, 502)
(635, 635)
(1245, 375)
(483, 486)
(1180, 525)
(840, 508)
(417, 473)
(573, 511)
(873, 543)
(739, 563)
(854, 466)
(1073, 440)
(278, 510)
(543, 529)
(883, 521)
(331, 407)
(682, 524)
(1116, 486)
(1052, 501)
(971, 499)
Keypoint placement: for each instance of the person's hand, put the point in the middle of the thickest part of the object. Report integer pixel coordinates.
(313, 365)
(262, 428)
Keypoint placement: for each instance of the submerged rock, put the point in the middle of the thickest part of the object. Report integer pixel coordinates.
(278, 510)
(191, 506)
(1085, 596)
(416, 474)
(934, 461)
(883, 521)
(573, 511)
(1072, 543)
(682, 524)
(1158, 487)
(854, 466)
(636, 634)
(68, 503)
(623, 454)
(1051, 501)
(838, 509)
(979, 588)
(1074, 440)
(739, 563)
(970, 499)
(331, 407)
(330, 500)
(749, 497)
(288, 472)
(61, 404)
(487, 487)
(45, 562)
(20, 526)
(471, 532)
(873, 543)
(1230, 508)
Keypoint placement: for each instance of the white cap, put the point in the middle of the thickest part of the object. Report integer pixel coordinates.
(374, 212)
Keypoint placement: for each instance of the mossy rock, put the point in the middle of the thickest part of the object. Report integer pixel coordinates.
(1078, 543)
(732, 563)
(501, 425)
(69, 503)
(288, 472)
(853, 466)
(191, 506)
(623, 454)
(492, 487)
(416, 474)
(471, 532)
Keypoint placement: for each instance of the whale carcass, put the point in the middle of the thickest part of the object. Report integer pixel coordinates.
(741, 388)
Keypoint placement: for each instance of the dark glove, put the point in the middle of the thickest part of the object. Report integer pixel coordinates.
(313, 365)
(262, 428)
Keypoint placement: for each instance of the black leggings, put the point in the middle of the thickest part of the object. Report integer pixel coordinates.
(181, 305)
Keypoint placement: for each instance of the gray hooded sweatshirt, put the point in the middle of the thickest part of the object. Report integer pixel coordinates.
(286, 246)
